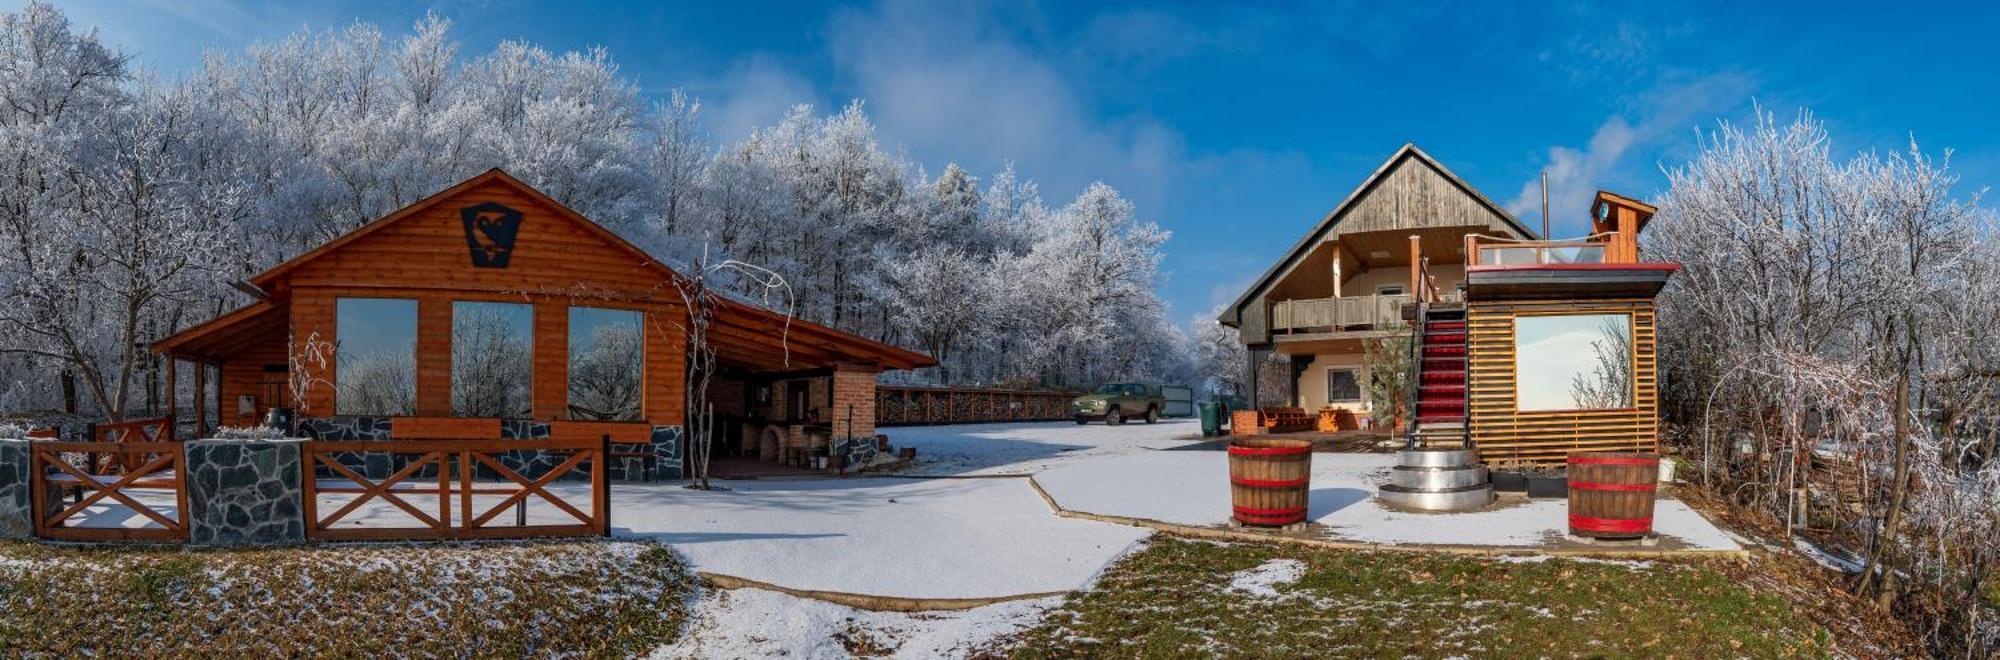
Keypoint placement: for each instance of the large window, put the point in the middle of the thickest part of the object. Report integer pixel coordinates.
(375, 364)
(606, 363)
(492, 359)
(1575, 362)
(1343, 385)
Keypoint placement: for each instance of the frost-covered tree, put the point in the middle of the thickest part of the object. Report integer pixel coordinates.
(1841, 312)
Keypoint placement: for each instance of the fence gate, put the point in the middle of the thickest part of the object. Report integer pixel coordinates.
(1180, 401)
(455, 489)
(123, 491)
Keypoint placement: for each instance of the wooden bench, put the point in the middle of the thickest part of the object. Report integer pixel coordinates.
(1289, 420)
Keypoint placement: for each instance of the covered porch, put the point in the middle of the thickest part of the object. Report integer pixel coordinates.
(1361, 281)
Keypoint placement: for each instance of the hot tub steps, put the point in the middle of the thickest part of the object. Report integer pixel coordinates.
(1439, 480)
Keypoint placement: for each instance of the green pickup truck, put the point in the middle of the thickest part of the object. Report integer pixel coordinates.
(1116, 402)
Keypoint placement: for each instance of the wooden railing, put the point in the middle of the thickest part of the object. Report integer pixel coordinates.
(157, 466)
(157, 429)
(456, 468)
(1378, 311)
(1496, 251)
(906, 405)
(1423, 284)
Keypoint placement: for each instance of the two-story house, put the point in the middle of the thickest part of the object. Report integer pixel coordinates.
(1348, 280)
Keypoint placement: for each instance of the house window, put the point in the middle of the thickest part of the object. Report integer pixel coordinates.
(492, 359)
(1343, 386)
(1389, 290)
(606, 363)
(375, 360)
(1573, 362)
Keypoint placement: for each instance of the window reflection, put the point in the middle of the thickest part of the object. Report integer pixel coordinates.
(1574, 362)
(606, 363)
(492, 359)
(375, 362)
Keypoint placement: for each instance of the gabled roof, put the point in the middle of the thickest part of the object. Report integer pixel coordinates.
(1232, 315)
(495, 175)
(744, 331)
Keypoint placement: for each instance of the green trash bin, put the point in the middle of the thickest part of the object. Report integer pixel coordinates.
(1211, 419)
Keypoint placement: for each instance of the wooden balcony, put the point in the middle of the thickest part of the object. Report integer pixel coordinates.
(1321, 315)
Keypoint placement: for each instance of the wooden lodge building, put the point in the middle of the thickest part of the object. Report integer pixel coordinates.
(489, 310)
(1527, 349)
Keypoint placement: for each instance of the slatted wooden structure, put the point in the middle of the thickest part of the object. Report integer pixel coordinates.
(1506, 435)
(898, 405)
(159, 469)
(1601, 275)
(442, 505)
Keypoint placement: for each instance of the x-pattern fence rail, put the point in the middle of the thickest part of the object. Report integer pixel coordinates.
(154, 466)
(454, 480)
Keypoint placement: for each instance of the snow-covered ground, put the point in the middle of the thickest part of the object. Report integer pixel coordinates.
(754, 623)
(1030, 447)
(915, 538)
(1192, 488)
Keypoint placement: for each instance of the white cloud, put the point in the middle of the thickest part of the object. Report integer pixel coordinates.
(1665, 113)
(755, 91)
(941, 84)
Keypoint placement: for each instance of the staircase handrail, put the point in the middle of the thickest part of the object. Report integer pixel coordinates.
(1415, 382)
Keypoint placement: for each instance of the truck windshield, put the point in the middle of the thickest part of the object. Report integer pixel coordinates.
(1114, 388)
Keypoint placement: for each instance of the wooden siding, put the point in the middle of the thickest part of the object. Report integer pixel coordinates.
(1508, 436)
(1415, 196)
(244, 375)
(552, 255)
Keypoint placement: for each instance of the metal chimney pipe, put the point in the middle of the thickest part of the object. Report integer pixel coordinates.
(1545, 205)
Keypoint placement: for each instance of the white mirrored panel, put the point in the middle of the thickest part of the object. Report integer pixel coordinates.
(1573, 362)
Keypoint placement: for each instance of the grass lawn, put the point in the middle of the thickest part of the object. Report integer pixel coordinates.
(1175, 598)
(588, 598)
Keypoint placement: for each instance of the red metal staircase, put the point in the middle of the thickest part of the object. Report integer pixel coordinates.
(1440, 396)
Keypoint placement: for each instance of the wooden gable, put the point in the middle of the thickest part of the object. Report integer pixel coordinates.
(430, 245)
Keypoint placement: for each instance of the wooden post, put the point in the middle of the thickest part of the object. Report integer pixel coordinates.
(1336, 270)
(1471, 250)
(1628, 235)
(200, 399)
(173, 409)
(1416, 266)
(1254, 373)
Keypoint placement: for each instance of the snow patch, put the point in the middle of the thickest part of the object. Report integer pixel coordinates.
(741, 623)
(1825, 557)
(1262, 581)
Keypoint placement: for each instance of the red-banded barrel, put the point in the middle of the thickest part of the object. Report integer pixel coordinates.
(1269, 480)
(1611, 494)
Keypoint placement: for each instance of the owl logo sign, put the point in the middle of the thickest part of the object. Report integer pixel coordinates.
(489, 232)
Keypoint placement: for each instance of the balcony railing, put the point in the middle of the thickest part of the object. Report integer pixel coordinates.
(1492, 251)
(1336, 314)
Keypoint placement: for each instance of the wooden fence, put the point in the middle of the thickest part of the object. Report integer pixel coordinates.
(156, 467)
(899, 405)
(453, 481)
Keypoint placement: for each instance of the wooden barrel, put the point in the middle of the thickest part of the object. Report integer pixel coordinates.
(1269, 479)
(1611, 494)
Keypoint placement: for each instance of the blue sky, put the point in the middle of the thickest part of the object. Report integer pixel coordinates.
(1237, 127)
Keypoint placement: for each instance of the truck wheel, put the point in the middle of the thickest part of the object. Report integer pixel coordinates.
(1080, 421)
(1152, 415)
(1115, 417)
